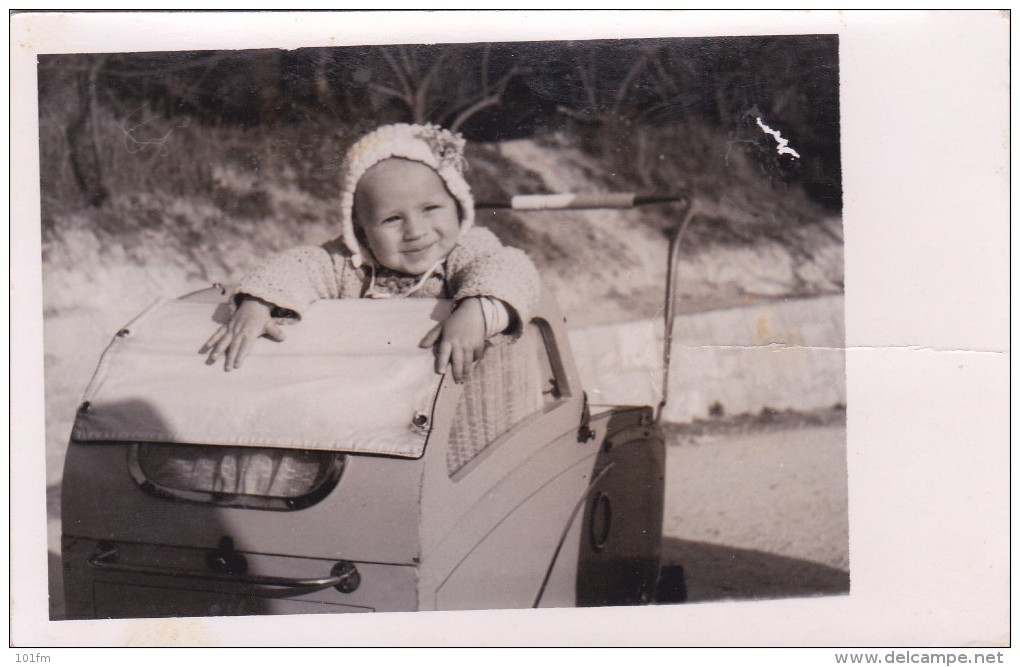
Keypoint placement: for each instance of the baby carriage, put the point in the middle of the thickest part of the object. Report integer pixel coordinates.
(339, 473)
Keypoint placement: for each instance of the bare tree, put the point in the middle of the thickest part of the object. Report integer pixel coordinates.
(446, 87)
(83, 137)
(602, 97)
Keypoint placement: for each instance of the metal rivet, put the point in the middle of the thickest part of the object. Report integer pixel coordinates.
(349, 576)
(123, 332)
(420, 420)
(84, 407)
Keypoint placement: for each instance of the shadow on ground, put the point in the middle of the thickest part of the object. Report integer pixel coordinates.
(718, 572)
(56, 587)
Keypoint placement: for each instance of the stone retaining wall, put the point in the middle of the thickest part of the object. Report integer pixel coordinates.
(781, 355)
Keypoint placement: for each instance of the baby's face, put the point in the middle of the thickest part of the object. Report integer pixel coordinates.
(409, 220)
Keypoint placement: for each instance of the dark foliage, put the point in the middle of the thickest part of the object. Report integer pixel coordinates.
(621, 100)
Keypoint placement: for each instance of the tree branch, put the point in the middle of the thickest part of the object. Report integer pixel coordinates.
(401, 79)
(582, 116)
(485, 66)
(491, 99)
(390, 92)
(410, 64)
(587, 82)
(484, 103)
(628, 81)
(665, 80)
(421, 95)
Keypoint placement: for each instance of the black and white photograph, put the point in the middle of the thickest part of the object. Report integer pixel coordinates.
(441, 325)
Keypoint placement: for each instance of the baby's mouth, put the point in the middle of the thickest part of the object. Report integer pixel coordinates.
(419, 250)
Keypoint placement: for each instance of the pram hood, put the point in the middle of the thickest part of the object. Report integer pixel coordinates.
(350, 377)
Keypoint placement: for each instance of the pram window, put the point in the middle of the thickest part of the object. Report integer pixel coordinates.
(257, 477)
(511, 383)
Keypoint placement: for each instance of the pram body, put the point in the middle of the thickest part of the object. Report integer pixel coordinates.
(348, 488)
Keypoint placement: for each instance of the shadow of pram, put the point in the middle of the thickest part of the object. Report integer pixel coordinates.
(717, 572)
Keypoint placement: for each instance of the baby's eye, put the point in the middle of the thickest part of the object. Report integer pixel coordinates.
(390, 220)
(432, 207)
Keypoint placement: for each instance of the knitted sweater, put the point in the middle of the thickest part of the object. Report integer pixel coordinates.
(479, 265)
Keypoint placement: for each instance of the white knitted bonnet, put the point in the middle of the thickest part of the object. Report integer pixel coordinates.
(431, 145)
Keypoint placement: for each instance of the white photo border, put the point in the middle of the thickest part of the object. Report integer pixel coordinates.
(925, 146)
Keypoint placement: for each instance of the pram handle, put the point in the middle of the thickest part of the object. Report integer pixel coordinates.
(578, 200)
(567, 201)
(344, 576)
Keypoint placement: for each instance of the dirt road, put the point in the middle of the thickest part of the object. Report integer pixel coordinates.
(760, 514)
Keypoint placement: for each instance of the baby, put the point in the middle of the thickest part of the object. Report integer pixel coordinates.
(406, 219)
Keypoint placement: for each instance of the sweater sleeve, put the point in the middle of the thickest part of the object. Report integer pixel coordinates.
(296, 278)
(481, 265)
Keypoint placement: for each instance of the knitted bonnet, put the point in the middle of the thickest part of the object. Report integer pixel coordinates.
(431, 145)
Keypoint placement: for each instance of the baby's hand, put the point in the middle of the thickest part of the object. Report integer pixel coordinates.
(460, 338)
(250, 321)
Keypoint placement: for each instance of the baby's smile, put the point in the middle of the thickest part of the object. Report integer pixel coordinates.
(420, 250)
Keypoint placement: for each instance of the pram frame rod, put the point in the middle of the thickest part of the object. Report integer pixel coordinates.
(342, 572)
(621, 200)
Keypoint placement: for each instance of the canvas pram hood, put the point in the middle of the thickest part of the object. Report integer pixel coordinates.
(350, 377)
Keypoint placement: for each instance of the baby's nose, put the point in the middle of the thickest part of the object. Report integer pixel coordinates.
(414, 227)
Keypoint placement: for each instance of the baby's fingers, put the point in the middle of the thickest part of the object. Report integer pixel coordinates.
(238, 352)
(227, 340)
(222, 346)
(274, 332)
(443, 354)
(460, 364)
(213, 341)
(431, 338)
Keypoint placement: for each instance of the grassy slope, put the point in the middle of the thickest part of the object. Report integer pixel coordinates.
(610, 265)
